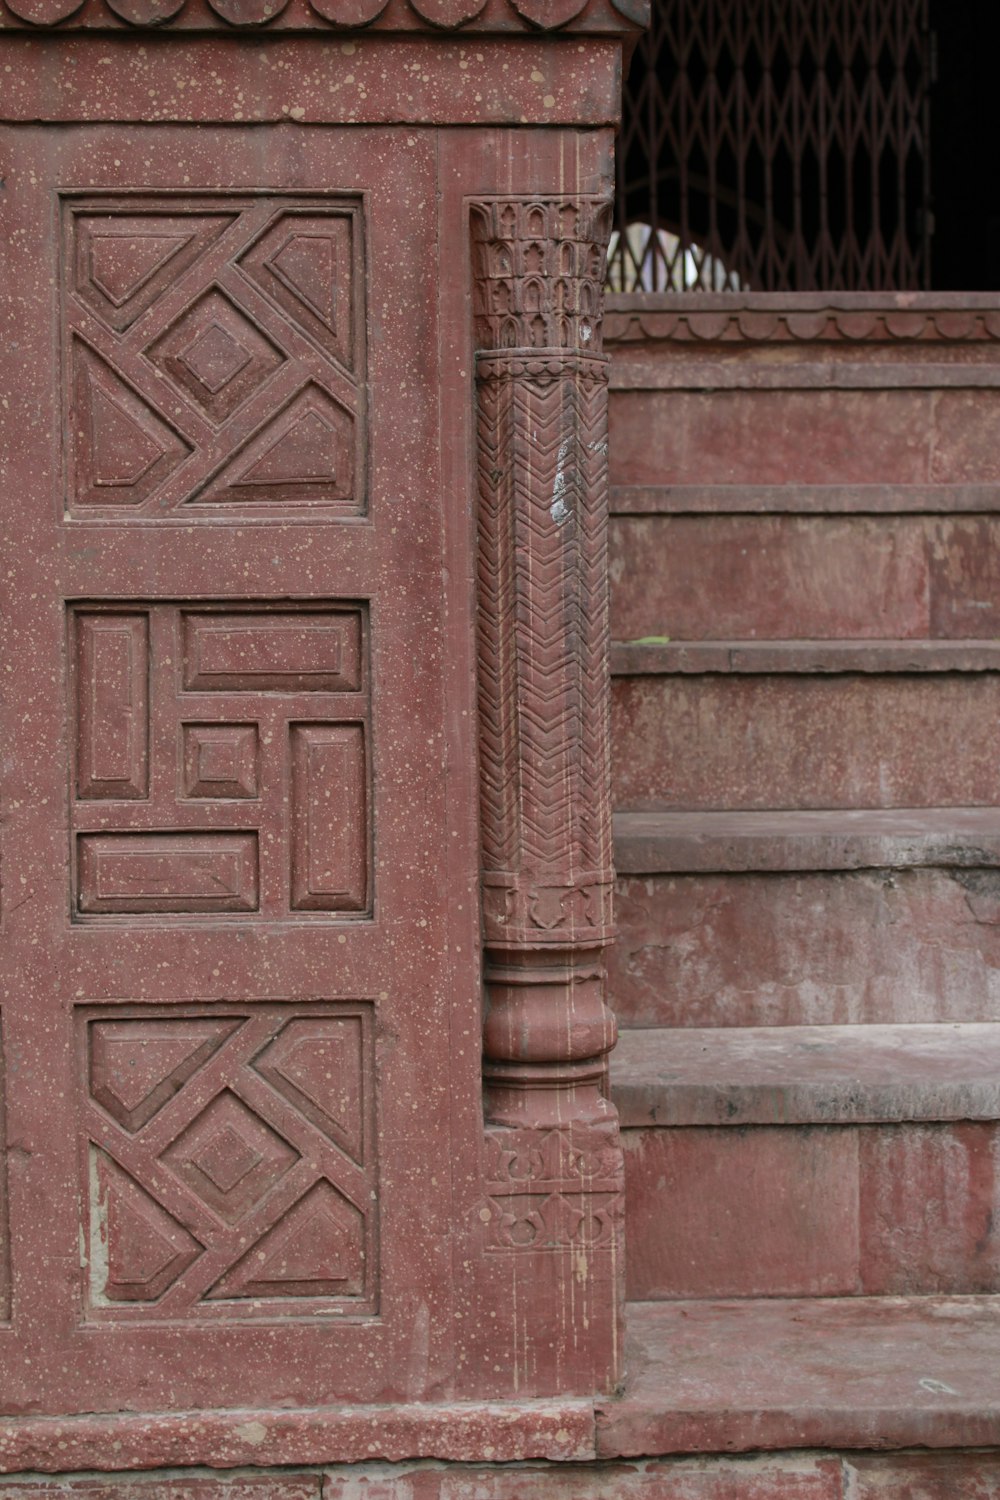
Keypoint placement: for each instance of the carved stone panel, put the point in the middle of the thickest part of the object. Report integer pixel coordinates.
(221, 760)
(228, 1161)
(4, 1222)
(213, 357)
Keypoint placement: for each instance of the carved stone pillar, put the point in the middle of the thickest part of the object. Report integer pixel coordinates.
(543, 649)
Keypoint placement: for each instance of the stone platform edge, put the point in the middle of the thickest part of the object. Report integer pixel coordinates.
(483, 1432)
(817, 1475)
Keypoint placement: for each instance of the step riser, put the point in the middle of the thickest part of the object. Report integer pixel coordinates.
(806, 742)
(898, 437)
(832, 949)
(804, 577)
(813, 1211)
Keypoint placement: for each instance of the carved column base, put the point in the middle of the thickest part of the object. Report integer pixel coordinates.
(546, 1037)
(550, 1261)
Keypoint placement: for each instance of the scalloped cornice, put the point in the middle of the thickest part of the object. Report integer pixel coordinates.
(504, 17)
(917, 318)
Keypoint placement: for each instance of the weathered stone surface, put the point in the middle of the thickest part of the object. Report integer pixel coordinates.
(761, 436)
(334, 78)
(652, 657)
(714, 577)
(789, 1478)
(801, 1211)
(930, 1209)
(816, 949)
(260, 1486)
(972, 1475)
(804, 742)
(923, 1476)
(741, 1213)
(813, 950)
(259, 1438)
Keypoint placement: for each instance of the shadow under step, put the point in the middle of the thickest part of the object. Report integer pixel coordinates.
(652, 657)
(668, 842)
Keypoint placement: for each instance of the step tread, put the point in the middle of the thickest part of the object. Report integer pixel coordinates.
(790, 1075)
(660, 842)
(851, 1372)
(653, 657)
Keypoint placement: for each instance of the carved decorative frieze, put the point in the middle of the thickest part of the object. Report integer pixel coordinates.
(543, 651)
(553, 1190)
(481, 16)
(762, 319)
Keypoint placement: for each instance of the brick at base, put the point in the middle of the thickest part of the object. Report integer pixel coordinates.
(973, 1475)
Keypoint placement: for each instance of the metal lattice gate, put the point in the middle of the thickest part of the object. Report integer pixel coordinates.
(776, 145)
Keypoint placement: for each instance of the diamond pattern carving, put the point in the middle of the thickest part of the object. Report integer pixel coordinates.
(214, 359)
(229, 1157)
(215, 1169)
(214, 356)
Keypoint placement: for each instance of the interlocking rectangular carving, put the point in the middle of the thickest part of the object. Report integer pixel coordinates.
(228, 1160)
(113, 741)
(776, 146)
(221, 760)
(214, 357)
(170, 872)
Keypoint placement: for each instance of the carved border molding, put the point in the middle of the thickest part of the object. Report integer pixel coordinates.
(595, 17)
(627, 321)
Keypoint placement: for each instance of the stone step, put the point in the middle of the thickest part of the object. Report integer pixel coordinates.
(848, 1373)
(806, 1075)
(806, 740)
(695, 577)
(811, 1161)
(756, 658)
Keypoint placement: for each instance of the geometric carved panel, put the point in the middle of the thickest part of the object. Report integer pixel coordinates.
(112, 707)
(214, 357)
(228, 1155)
(220, 760)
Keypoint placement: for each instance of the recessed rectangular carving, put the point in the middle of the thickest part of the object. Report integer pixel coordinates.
(258, 340)
(220, 760)
(261, 1197)
(167, 872)
(296, 651)
(329, 818)
(112, 667)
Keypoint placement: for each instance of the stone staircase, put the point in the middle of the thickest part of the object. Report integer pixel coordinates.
(806, 706)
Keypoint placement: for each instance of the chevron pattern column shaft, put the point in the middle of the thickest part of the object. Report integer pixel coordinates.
(543, 650)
